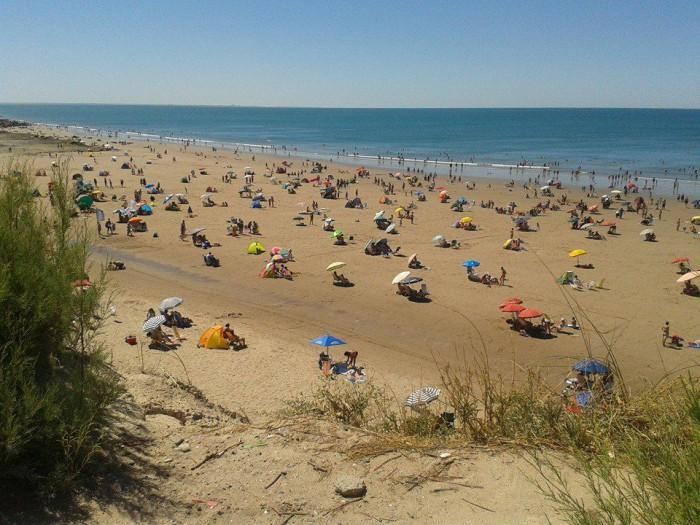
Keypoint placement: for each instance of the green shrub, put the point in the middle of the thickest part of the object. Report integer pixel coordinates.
(56, 388)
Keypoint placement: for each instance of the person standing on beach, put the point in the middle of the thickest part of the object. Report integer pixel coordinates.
(665, 330)
(183, 229)
(502, 279)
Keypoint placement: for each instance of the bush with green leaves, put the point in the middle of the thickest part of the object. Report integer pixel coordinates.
(57, 390)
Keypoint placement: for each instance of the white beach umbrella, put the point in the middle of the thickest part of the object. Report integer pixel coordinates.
(379, 215)
(586, 226)
(648, 231)
(169, 304)
(688, 276)
(400, 277)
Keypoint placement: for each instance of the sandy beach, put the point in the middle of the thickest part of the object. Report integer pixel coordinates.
(401, 344)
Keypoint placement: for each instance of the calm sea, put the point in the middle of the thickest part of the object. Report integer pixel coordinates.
(660, 143)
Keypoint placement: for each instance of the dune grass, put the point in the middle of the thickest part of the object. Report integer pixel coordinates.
(638, 456)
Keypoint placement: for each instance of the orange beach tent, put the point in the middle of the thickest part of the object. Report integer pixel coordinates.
(213, 338)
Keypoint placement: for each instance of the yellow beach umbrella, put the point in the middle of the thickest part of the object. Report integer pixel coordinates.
(335, 266)
(465, 220)
(398, 210)
(695, 219)
(577, 253)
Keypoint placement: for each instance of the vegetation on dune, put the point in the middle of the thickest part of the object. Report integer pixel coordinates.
(638, 457)
(56, 388)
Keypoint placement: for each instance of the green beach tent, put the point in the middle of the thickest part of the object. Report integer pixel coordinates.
(255, 248)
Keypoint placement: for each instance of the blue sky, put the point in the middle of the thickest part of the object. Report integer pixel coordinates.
(353, 54)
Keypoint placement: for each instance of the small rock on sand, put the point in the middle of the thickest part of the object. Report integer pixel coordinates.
(184, 447)
(350, 487)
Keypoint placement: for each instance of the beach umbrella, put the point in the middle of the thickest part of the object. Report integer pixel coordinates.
(678, 260)
(438, 239)
(398, 210)
(530, 313)
(512, 308)
(616, 192)
(169, 304)
(390, 228)
(83, 284)
(205, 196)
(197, 230)
(471, 263)
(688, 276)
(544, 188)
(422, 396)
(379, 215)
(168, 198)
(327, 340)
(465, 220)
(515, 300)
(412, 280)
(275, 250)
(695, 219)
(400, 277)
(608, 223)
(153, 323)
(577, 253)
(591, 366)
(586, 226)
(134, 220)
(328, 220)
(337, 233)
(508, 243)
(648, 231)
(412, 257)
(335, 266)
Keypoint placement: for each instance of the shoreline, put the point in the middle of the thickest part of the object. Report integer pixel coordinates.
(494, 171)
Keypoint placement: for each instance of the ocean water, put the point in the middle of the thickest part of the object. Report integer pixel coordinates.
(657, 143)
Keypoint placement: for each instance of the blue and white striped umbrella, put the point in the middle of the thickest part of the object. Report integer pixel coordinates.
(422, 396)
(153, 323)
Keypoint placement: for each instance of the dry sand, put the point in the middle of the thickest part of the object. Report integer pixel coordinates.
(401, 344)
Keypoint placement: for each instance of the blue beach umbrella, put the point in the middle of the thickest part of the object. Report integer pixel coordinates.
(471, 263)
(591, 366)
(327, 340)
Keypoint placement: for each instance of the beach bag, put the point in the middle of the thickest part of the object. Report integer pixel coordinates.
(130, 340)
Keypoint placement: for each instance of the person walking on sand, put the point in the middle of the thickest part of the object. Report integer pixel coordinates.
(665, 330)
(183, 229)
(502, 279)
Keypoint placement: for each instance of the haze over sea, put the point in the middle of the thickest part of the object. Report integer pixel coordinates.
(662, 143)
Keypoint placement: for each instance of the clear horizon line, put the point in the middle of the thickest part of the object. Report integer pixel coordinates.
(660, 108)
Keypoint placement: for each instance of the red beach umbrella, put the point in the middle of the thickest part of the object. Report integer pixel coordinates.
(515, 300)
(678, 260)
(530, 313)
(512, 308)
(608, 223)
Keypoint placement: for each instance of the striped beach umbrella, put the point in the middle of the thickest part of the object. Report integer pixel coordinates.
(422, 396)
(153, 323)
